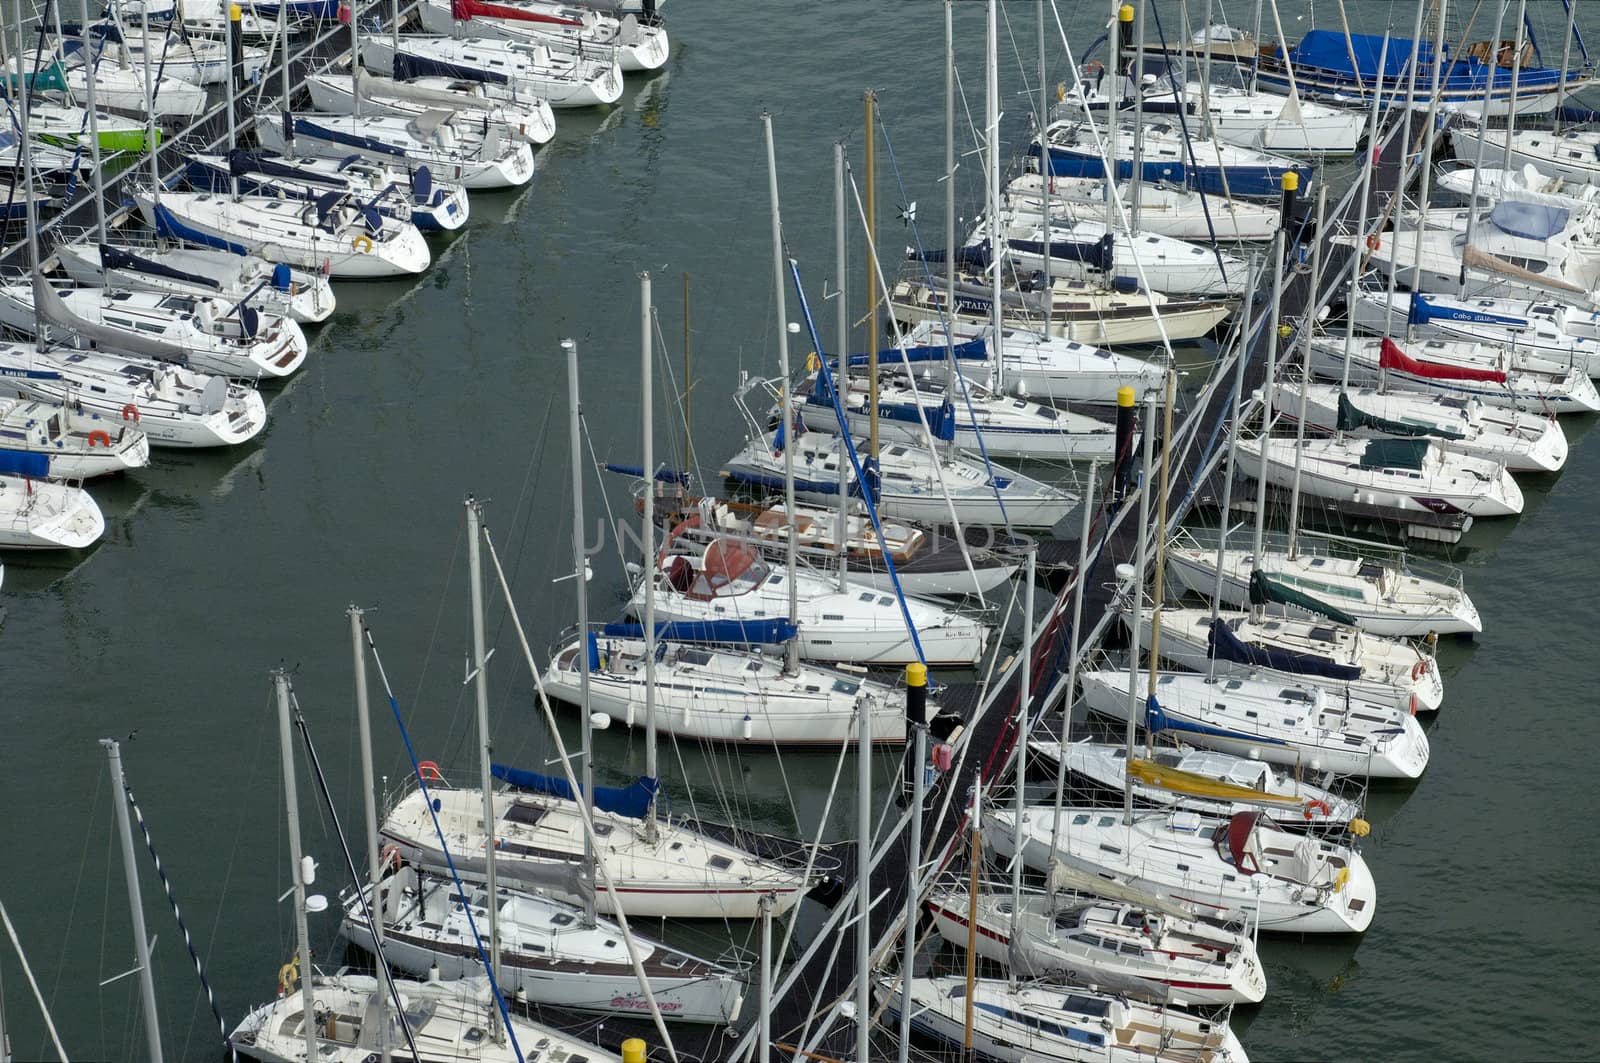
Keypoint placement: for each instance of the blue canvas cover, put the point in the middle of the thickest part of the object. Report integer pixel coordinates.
(631, 801)
(768, 632)
(24, 463)
(1328, 50)
(1531, 221)
(1223, 645)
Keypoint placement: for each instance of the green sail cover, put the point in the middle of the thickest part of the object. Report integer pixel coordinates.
(1351, 418)
(1263, 591)
(47, 79)
(1394, 454)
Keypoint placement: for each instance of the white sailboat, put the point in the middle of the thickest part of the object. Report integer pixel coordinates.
(339, 237)
(404, 193)
(1243, 866)
(1527, 184)
(548, 953)
(1340, 657)
(1089, 249)
(1051, 368)
(563, 78)
(121, 88)
(451, 1022)
(173, 406)
(1403, 474)
(526, 118)
(1161, 953)
(1376, 593)
(1287, 724)
(1461, 369)
(1176, 777)
(1026, 1023)
(306, 296)
(1163, 210)
(1573, 154)
(196, 59)
(1521, 441)
(38, 514)
(79, 446)
(731, 580)
(573, 27)
(205, 333)
(462, 152)
(713, 694)
(1546, 329)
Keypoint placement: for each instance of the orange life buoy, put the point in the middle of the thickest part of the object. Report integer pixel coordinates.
(1094, 67)
(428, 771)
(100, 436)
(130, 412)
(1373, 243)
(390, 857)
(1419, 669)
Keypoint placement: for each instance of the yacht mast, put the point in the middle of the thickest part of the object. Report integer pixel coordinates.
(1368, 164)
(1070, 690)
(646, 377)
(1516, 81)
(1483, 136)
(141, 940)
(1243, 358)
(1266, 397)
(90, 67)
(1136, 588)
(1024, 703)
(480, 690)
(997, 239)
(370, 811)
(869, 100)
(581, 575)
(791, 649)
(297, 865)
(841, 345)
(1044, 200)
(1307, 324)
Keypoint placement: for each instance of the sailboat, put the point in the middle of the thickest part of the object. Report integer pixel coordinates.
(926, 563)
(305, 296)
(203, 332)
(563, 78)
(1170, 156)
(1164, 210)
(196, 59)
(79, 446)
(1361, 587)
(1520, 441)
(1204, 780)
(1154, 949)
(1404, 474)
(1287, 724)
(475, 155)
(1547, 329)
(1243, 866)
(1461, 369)
(403, 194)
(526, 118)
(41, 514)
(638, 46)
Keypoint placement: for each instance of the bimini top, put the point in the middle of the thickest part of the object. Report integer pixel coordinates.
(1531, 221)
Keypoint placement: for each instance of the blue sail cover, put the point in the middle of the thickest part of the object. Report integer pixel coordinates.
(349, 140)
(1531, 221)
(1422, 312)
(1329, 50)
(409, 67)
(971, 350)
(941, 419)
(1097, 254)
(767, 632)
(631, 801)
(1223, 645)
(24, 463)
(663, 474)
(120, 258)
(170, 225)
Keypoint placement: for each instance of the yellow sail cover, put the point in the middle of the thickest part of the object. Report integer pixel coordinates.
(1188, 782)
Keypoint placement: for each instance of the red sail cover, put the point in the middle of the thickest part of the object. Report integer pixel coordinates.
(1393, 357)
(463, 10)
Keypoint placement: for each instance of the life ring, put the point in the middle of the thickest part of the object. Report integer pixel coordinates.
(100, 436)
(1373, 242)
(287, 975)
(362, 244)
(1419, 669)
(1093, 67)
(428, 771)
(130, 412)
(390, 857)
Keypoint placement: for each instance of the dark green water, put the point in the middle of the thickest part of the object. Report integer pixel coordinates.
(218, 568)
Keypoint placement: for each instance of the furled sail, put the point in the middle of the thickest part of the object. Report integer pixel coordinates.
(1264, 591)
(1392, 357)
(632, 801)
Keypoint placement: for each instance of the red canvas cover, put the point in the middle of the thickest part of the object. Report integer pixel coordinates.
(1392, 357)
